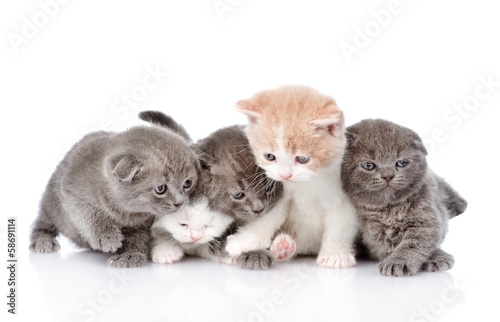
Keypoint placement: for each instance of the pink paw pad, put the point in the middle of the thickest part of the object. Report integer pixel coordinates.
(283, 247)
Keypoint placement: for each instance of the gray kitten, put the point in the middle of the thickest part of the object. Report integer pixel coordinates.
(403, 206)
(234, 184)
(107, 190)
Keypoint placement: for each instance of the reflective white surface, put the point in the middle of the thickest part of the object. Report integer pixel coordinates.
(77, 286)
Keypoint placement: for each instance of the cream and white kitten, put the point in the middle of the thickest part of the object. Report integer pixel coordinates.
(297, 135)
(188, 231)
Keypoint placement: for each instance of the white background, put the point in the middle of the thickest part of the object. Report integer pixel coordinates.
(70, 72)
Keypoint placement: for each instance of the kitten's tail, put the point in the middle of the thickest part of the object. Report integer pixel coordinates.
(454, 202)
(161, 119)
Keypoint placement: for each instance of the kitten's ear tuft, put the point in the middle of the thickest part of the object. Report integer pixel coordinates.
(420, 145)
(332, 123)
(250, 109)
(125, 167)
(350, 136)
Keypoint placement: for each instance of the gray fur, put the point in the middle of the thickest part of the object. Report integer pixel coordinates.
(402, 225)
(102, 196)
(228, 168)
(257, 259)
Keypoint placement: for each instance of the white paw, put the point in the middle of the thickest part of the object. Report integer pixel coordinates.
(283, 247)
(244, 242)
(166, 253)
(227, 260)
(336, 260)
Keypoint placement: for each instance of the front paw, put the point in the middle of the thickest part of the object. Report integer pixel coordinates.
(244, 242)
(260, 259)
(216, 248)
(283, 247)
(128, 260)
(166, 253)
(336, 260)
(108, 242)
(439, 260)
(398, 267)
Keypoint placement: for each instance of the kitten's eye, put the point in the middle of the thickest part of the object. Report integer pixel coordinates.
(239, 195)
(368, 166)
(401, 164)
(183, 225)
(161, 189)
(301, 159)
(270, 156)
(187, 184)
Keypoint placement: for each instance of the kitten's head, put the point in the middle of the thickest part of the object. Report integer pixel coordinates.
(294, 132)
(383, 163)
(236, 186)
(151, 170)
(196, 225)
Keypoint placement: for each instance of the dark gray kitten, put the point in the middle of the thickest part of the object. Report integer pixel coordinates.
(403, 206)
(233, 183)
(107, 190)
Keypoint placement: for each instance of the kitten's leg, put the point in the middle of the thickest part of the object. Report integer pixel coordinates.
(257, 234)
(341, 229)
(217, 246)
(135, 249)
(408, 257)
(96, 227)
(283, 247)
(43, 236)
(166, 251)
(439, 260)
(257, 259)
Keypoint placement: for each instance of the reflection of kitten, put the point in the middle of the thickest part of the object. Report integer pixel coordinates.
(106, 191)
(234, 186)
(297, 135)
(403, 206)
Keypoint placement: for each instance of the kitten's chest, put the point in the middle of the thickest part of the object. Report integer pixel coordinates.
(384, 229)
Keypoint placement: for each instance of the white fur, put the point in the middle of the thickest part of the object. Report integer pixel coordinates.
(324, 217)
(189, 228)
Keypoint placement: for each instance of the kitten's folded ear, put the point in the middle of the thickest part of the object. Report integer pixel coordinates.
(350, 136)
(250, 109)
(125, 166)
(420, 145)
(333, 123)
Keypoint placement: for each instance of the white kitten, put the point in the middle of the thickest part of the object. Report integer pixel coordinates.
(187, 231)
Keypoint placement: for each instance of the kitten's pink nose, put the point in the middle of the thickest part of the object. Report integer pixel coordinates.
(285, 176)
(195, 239)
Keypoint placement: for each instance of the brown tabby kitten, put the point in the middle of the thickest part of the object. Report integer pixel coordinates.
(403, 206)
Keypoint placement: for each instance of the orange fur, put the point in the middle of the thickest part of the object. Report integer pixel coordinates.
(312, 124)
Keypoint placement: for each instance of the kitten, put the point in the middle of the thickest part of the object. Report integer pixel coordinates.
(234, 186)
(107, 190)
(403, 206)
(297, 135)
(188, 231)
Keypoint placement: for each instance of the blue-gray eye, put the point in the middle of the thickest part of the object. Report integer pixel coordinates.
(187, 184)
(301, 159)
(368, 166)
(161, 189)
(401, 164)
(270, 156)
(239, 195)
